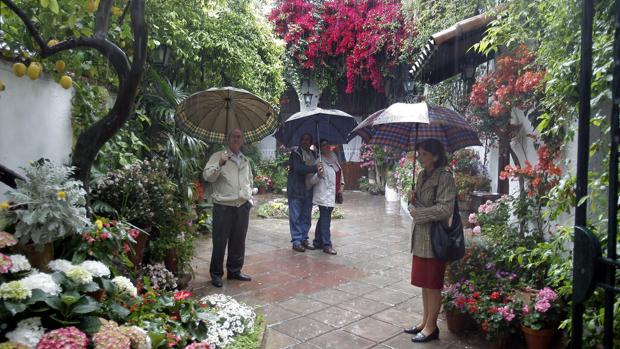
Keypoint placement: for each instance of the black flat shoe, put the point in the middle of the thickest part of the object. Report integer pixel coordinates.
(239, 276)
(306, 244)
(421, 338)
(216, 281)
(412, 330)
(299, 248)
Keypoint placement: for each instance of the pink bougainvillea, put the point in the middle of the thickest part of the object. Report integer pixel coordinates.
(365, 36)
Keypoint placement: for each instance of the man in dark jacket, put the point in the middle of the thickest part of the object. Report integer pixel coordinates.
(302, 162)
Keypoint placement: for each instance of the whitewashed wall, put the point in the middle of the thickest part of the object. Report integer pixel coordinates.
(35, 120)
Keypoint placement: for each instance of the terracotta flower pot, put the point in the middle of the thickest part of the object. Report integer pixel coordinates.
(456, 321)
(171, 261)
(538, 339)
(38, 258)
(137, 254)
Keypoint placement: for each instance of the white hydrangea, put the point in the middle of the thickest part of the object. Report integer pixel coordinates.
(97, 269)
(146, 343)
(20, 263)
(79, 274)
(60, 265)
(125, 285)
(231, 318)
(43, 282)
(28, 332)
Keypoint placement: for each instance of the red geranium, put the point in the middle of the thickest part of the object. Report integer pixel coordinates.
(181, 295)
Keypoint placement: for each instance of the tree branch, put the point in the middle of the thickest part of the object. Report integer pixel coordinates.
(115, 55)
(29, 25)
(102, 19)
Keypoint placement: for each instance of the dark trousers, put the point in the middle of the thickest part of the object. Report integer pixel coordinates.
(322, 232)
(230, 226)
(300, 217)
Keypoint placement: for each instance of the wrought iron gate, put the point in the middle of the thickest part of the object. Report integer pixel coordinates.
(590, 268)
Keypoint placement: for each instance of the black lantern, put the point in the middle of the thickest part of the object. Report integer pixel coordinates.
(410, 91)
(161, 55)
(308, 95)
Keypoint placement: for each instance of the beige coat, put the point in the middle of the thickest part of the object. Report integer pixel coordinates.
(231, 185)
(427, 211)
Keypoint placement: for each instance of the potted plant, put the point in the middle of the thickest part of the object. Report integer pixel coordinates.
(44, 208)
(454, 301)
(498, 316)
(540, 319)
(263, 183)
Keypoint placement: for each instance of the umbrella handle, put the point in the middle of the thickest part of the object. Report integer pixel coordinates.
(414, 156)
(318, 136)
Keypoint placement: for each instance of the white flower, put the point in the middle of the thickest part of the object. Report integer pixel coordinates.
(125, 286)
(43, 282)
(146, 343)
(79, 274)
(28, 332)
(20, 263)
(59, 265)
(96, 268)
(231, 318)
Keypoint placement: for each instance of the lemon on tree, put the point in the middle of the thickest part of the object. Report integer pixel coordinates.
(60, 66)
(2, 87)
(91, 6)
(66, 82)
(19, 69)
(34, 70)
(52, 42)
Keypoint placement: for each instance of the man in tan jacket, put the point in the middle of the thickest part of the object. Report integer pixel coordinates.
(230, 176)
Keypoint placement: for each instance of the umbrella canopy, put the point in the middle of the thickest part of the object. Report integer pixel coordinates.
(403, 126)
(331, 124)
(210, 115)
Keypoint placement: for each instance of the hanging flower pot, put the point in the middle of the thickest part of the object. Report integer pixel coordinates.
(538, 339)
(456, 321)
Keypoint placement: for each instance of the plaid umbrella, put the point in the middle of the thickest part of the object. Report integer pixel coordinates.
(404, 125)
(210, 115)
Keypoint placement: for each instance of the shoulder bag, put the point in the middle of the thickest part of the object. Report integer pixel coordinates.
(448, 242)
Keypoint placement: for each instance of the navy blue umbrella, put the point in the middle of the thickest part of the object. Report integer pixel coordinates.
(330, 124)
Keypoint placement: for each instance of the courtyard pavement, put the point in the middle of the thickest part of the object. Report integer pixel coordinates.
(360, 298)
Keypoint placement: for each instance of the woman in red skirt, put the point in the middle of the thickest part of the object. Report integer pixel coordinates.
(433, 200)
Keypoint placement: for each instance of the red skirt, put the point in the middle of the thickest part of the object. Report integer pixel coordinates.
(428, 272)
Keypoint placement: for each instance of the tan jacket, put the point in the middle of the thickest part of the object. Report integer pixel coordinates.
(231, 185)
(427, 211)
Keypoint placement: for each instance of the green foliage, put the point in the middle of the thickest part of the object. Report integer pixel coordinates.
(276, 170)
(278, 208)
(48, 205)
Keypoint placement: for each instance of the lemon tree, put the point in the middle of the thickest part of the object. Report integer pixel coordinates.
(37, 30)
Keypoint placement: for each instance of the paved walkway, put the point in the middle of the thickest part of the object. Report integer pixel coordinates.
(360, 298)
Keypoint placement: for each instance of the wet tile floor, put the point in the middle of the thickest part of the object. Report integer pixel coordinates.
(360, 298)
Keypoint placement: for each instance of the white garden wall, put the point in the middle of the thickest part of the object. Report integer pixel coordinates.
(35, 120)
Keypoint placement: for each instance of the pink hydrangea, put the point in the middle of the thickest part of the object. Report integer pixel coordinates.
(65, 338)
(473, 218)
(542, 306)
(476, 230)
(5, 263)
(526, 309)
(6, 239)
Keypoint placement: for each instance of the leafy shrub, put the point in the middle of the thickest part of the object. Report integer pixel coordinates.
(48, 206)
